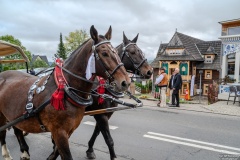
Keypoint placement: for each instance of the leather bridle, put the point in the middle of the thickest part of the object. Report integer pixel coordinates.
(96, 54)
(136, 66)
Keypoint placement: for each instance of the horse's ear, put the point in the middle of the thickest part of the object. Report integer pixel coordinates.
(108, 35)
(94, 34)
(135, 39)
(125, 39)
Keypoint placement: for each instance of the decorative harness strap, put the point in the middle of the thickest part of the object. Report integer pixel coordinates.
(36, 88)
(101, 89)
(57, 100)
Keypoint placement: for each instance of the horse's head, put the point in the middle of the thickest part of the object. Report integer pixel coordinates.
(133, 58)
(108, 63)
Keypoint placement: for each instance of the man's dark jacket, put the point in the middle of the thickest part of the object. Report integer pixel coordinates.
(177, 81)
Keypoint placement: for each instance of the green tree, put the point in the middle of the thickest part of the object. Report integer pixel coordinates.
(11, 39)
(39, 63)
(61, 53)
(75, 39)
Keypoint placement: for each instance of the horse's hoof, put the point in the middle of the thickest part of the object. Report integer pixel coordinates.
(91, 155)
(115, 158)
(25, 156)
(8, 158)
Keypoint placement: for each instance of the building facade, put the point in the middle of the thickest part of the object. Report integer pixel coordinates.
(194, 58)
(230, 59)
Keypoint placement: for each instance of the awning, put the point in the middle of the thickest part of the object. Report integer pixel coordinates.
(7, 48)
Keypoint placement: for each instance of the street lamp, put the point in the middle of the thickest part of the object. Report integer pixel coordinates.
(200, 85)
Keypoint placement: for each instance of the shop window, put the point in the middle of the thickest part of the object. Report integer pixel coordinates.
(208, 74)
(231, 68)
(205, 89)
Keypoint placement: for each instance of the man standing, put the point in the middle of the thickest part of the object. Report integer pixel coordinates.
(162, 82)
(170, 86)
(177, 85)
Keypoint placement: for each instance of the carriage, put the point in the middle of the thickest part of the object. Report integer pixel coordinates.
(7, 49)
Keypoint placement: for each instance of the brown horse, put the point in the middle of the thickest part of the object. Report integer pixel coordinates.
(14, 87)
(134, 61)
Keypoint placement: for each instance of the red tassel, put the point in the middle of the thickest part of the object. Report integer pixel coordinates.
(101, 89)
(57, 100)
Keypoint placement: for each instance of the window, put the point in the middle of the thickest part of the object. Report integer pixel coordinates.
(231, 68)
(208, 59)
(174, 51)
(208, 74)
(205, 89)
(233, 30)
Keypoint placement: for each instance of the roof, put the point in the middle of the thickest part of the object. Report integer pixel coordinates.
(215, 65)
(230, 21)
(44, 58)
(194, 51)
(189, 43)
(7, 48)
(209, 47)
(180, 40)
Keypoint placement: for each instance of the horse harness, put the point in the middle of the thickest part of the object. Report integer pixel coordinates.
(39, 85)
(72, 97)
(124, 52)
(109, 75)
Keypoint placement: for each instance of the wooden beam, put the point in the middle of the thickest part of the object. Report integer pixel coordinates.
(13, 61)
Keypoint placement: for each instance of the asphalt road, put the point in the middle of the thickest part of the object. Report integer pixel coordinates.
(150, 133)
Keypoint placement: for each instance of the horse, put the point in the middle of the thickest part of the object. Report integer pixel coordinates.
(61, 122)
(133, 59)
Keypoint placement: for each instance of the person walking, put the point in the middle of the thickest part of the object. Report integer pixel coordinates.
(162, 82)
(170, 86)
(177, 85)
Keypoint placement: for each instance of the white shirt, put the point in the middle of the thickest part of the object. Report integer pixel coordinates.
(159, 79)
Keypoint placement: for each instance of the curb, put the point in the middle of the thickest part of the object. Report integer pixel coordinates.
(192, 110)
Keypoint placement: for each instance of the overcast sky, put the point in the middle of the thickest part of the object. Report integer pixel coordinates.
(38, 23)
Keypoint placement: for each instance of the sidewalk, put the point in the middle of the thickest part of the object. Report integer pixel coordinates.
(220, 107)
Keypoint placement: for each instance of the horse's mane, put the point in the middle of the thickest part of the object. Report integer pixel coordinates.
(79, 47)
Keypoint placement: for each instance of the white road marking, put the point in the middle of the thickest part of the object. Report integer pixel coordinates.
(210, 146)
(94, 123)
(196, 141)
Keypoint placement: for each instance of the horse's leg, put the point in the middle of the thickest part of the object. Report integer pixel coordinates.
(102, 122)
(55, 152)
(90, 151)
(5, 152)
(60, 138)
(23, 145)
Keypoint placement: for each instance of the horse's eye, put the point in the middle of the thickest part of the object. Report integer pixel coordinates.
(105, 54)
(133, 52)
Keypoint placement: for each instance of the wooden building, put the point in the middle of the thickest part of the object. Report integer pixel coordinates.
(190, 55)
